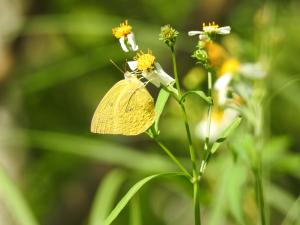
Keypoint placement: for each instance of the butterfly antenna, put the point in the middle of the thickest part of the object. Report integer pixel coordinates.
(115, 64)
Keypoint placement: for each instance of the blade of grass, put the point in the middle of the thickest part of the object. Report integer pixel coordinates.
(135, 212)
(100, 150)
(135, 188)
(106, 194)
(15, 202)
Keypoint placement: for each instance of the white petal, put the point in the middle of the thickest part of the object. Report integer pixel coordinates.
(131, 42)
(254, 71)
(132, 65)
(193, 33)
(201, 130)
(223, 82)
(224, 30)
(152, 77)
(222, 96)
(165, 79)
(123, 45)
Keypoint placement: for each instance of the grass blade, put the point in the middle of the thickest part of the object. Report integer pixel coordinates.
(15, 202)
(121, 205)
(105, 196)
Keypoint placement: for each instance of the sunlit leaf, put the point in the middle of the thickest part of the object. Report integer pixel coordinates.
(161, 101)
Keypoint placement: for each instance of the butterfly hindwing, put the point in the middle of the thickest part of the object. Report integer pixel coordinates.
(103, 116)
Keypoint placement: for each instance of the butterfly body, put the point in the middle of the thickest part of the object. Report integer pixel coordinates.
(126, 109)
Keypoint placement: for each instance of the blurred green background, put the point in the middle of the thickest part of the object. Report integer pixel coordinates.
(54, 69)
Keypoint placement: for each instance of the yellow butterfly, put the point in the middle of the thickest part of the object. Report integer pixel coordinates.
(127, 109)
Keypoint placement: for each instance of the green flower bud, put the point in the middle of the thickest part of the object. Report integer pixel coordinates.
(168, 35)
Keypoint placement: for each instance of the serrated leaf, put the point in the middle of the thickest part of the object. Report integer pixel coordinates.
(105, 197)
(128, 196)
(225, 134)
(200, 94)
(161, 101)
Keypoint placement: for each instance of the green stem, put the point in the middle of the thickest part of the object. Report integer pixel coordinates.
(209, 110)
(259, 191)
(209, 115)
(195, 179)
(175, 71)
(197, 213)
(175, 160)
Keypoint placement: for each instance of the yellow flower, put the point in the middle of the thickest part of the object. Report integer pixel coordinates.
(146, 66)
(231, 65)
(145, 61)
(123, 30)
(216, 53)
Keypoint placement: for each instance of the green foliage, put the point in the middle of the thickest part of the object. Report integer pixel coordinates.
(14, 201)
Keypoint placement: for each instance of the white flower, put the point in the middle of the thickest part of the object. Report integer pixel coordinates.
(220, 121)
(222, 86)
(151, 70)
(156, 76)
(252, 70)
(211, 28)
(125, 36)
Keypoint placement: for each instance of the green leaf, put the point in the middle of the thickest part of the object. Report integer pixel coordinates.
(225, 134)
(283, 201)
(105, 196)
(15, 202)
(292, 216)
(235, 190)
(97, 149)
(161, 101)
(121, 205)
(200, 94)
(135, 212)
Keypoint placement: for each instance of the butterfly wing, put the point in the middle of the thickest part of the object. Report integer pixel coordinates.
(126, 109)
(103, 118)
(135, 112)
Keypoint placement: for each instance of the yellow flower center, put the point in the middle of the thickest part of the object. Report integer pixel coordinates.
(123, 30)
(217, 116)
(211, 27)
(145, 61)
(229, 66)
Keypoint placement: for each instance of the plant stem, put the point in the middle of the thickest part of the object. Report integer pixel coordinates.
(175, 71)
(175, 160)
(195, 179)
(260, 191)
(209, 110)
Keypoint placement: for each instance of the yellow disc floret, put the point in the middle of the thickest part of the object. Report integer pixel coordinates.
(145, 61)
(123, 30)
(211, 27)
